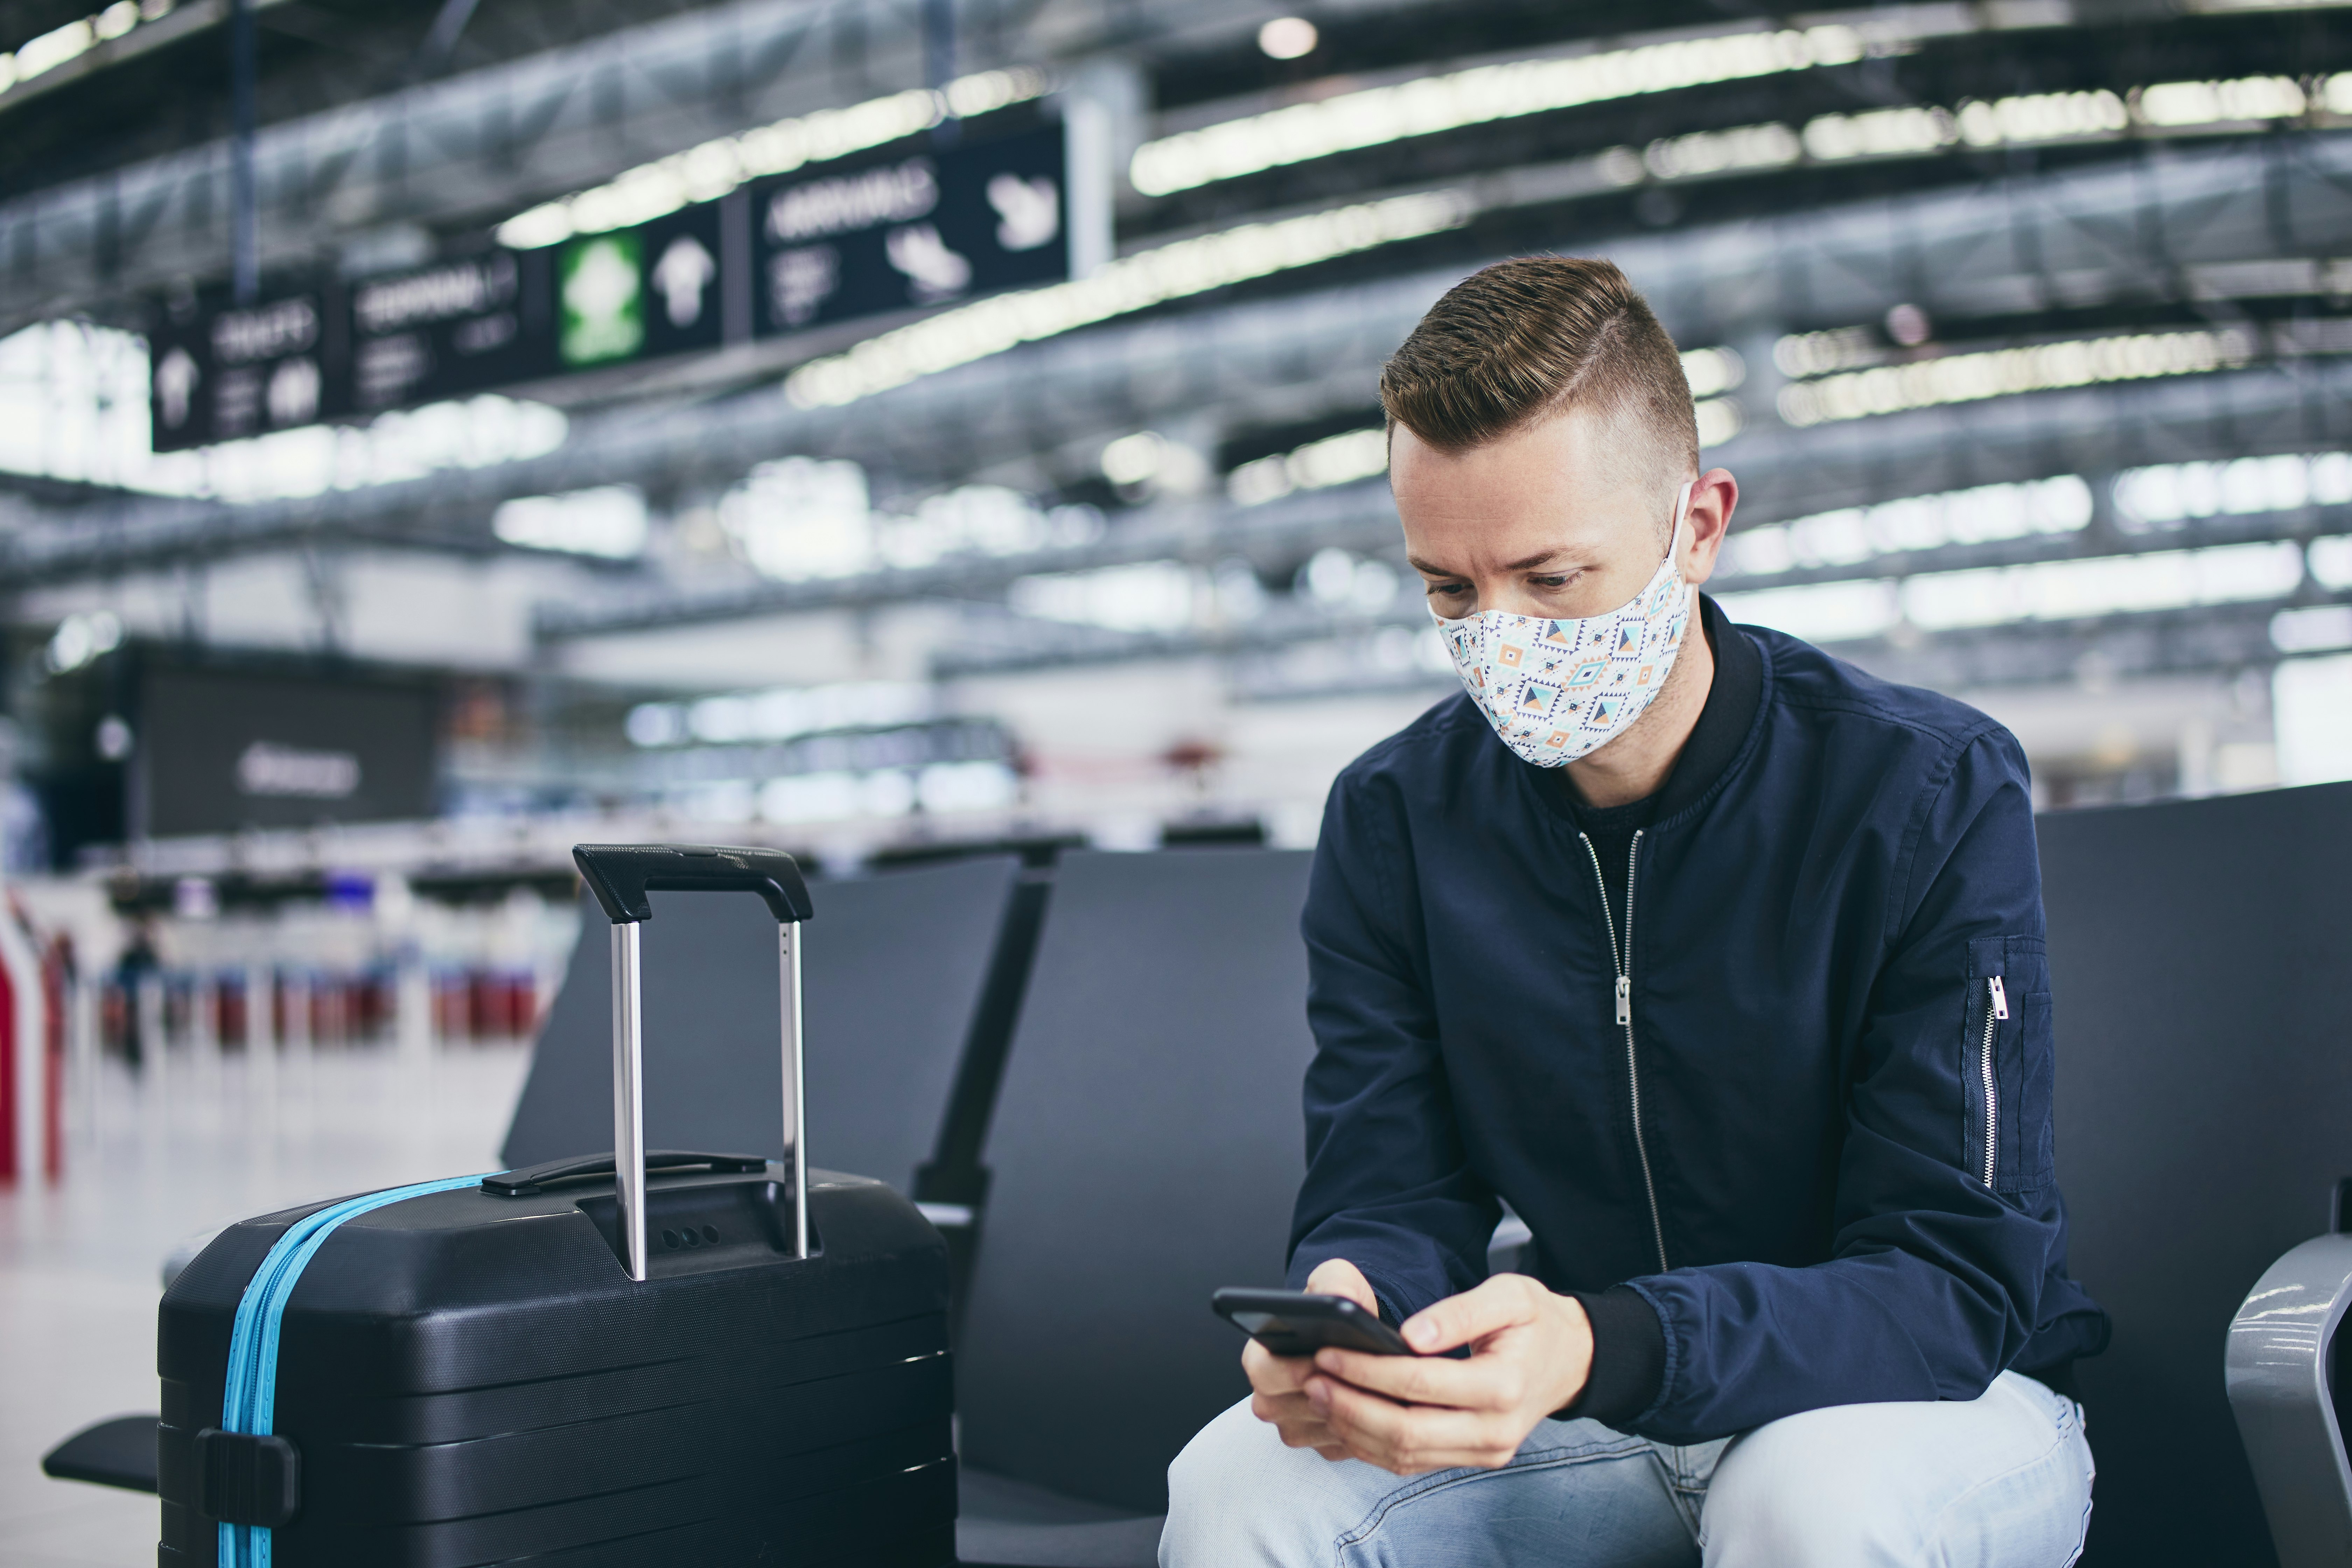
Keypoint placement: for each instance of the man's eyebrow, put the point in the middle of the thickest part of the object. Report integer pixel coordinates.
(1427, 569)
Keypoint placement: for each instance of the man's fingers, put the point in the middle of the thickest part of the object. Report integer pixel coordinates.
(1298, 1422)
(1481, 1383)
(1271, 1374)
(1409, 1440)
(1502, 1302)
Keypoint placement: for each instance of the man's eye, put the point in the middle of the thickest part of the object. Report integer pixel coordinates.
(1456, 589)
(1555, 580)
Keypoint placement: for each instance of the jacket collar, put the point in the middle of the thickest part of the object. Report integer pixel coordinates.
(1715, 743)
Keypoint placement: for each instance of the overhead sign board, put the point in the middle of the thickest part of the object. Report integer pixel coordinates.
(218, 370)
(919, 229)
(449, 329)
(778, 257)
(645, 292)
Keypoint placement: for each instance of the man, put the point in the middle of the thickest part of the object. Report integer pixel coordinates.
(1722, 962)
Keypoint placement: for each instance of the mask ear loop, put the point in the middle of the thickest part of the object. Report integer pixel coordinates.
(1682, 515)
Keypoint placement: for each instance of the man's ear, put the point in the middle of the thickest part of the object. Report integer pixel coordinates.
(1713, 498)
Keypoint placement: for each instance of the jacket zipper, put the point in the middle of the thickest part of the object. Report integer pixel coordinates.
(1996, 1009)
(1622, 958)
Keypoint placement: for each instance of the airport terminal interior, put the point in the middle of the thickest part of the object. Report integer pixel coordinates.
(936, 448)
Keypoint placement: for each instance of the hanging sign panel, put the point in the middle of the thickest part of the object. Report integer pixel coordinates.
(448, 330)
(218, 372)
(641, 293)
(923, 229)
(900, 233)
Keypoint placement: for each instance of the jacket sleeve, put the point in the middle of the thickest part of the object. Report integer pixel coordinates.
(1935, 1276)
(1388, 1185)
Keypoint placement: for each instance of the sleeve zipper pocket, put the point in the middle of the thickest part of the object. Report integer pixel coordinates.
(1996, 1009)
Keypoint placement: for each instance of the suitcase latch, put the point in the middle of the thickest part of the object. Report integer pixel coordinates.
(242, 1479)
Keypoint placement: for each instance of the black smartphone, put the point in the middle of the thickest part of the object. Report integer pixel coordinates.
(1298, 1322)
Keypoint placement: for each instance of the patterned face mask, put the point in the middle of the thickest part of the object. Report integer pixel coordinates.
(1555, 690)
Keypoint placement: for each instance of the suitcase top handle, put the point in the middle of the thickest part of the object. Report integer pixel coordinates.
(621, 875)
(532, 1180)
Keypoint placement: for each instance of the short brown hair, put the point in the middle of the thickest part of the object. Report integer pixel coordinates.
(1523, 340)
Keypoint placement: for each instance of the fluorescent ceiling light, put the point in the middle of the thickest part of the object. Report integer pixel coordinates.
(607, 521)
(1800, 354)
(1334, 460)
(711, 170)
(1705, 153)
(2000, 372)
(1820, 612)
(799, 518)
(1711, 371)
(2044, 591)
(1719, 420)
(1287, 37)
(2313, 628)
(782, 712)
(74, 405)
(2103, 585)
(37, 57)
(2040, 119)
(1150, 597)
(80, 638)
(1132, 459)
(1979, 515)
(1131, 283)
(54, 48)
(2331, 561)
(1427, 105)
(2178, 103)
(2166, 494)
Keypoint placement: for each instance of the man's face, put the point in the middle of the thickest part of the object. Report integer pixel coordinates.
(1547, 520)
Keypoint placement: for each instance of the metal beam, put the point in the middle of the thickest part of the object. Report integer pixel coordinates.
(2222, 637)
(2126, 234)
(1786, 472)
(467, 148)
(2218, 637)
(1008, 644)
(479, 147)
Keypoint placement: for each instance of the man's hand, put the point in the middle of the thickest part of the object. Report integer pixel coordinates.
(1530, 1352)
(1279, 1381)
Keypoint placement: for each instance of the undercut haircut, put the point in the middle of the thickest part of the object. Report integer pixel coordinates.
(1522, 341)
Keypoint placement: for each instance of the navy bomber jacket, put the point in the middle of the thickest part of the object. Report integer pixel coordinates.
(1846, 1133)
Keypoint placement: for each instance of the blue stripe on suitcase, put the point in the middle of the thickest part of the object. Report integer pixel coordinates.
(250, 1402)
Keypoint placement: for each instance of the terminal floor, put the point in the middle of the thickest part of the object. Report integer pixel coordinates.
(149, 1164)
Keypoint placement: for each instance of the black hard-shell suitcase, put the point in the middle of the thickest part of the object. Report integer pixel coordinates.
(575, 1365)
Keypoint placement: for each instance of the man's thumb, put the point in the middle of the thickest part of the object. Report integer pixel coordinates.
(1337, 1276)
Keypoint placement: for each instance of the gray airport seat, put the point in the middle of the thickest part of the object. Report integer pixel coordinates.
(1147, 1148)
(2290, 1404)
(2202, 966)
(893, 966)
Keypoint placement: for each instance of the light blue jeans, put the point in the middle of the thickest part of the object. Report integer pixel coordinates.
(2003, 1481)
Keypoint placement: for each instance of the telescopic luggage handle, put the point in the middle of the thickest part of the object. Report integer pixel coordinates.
(621, 875)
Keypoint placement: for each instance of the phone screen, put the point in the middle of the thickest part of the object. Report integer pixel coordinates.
(1299, 1322)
